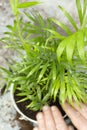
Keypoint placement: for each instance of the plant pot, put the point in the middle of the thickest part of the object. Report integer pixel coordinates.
(24, 117)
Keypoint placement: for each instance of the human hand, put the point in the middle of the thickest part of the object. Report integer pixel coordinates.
(51, 118)
(78, 115)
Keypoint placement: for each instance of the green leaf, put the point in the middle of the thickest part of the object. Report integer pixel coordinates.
(31, 97)
(54, 71)
(62, 93)
(55, 88)
(71, 20)
(84, 22)
(35, 105)
(9, 27)
(62, 25)
(69, 93)
(34, 69)
(30, 17)
(84, 8)
(46, 97)
(8, 85)
(75, 97)
(24, 69)
(79, 9)
(80, 45)
(27, 4)
(19, 78)
(14, 4)
(56, 34)
(22, 100)
(42, 71)
(27, 48)
(70, 46)
(60, 49)
(39, 93)
(5, 70)
(69, 43)
(21, 94)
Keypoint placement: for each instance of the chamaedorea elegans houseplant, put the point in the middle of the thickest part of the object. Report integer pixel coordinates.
(51, 66)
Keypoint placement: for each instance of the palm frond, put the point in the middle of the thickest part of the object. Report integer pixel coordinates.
(70, 43)
(69, 17)
(63, 26)
(79, 9)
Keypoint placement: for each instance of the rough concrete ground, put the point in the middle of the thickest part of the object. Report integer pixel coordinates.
(9, 119)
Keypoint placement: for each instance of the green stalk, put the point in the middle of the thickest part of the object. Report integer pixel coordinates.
(19, 31)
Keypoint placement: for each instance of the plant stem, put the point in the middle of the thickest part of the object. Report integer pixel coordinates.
(19, 31)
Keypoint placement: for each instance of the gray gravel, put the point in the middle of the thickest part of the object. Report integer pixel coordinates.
(7, 112)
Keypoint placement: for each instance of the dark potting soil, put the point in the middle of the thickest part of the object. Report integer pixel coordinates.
(32, 114)
(22, 106)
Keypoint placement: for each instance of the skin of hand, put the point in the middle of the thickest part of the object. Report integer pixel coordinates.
(51, 119)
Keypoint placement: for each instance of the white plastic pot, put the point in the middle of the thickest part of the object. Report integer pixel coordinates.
(23, 116)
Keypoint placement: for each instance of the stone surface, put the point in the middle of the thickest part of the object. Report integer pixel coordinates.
(9, 119)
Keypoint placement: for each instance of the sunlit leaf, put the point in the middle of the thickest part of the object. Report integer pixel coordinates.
(56, 34)
(84, 22)
(54, 71)
(46, 97)
(63, 26)
(71, 42)
(34, 69)
(62, 93)
(79, 9)
(42, 71)
(8, 85)
(14, 4)
(84, 8)
(69, 93)
(27, 4)
(80, 45)
(57, 87)
(71, 20)
(5, 70)
(60, 49)
(22, 100)
(39, 93)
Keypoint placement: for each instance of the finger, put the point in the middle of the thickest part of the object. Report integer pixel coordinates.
(41, 121)
(35, 128)
(59, 121)
(82, 109)
(77, 119)
(49, 120)
(70, 128)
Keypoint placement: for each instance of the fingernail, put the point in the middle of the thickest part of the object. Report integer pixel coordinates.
(39, 116)
(53, 108)
(35, 128)
(45, 108)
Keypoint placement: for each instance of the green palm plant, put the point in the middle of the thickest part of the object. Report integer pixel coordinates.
(71, 51)
(72, 39)
(51, 66)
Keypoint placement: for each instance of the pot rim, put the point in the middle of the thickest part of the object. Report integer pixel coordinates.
(19, 111)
